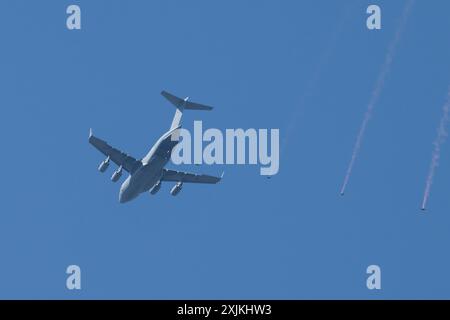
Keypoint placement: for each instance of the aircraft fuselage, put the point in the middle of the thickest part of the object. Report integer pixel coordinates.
(151, 170)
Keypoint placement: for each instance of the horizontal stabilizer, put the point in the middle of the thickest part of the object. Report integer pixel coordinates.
(184, 103)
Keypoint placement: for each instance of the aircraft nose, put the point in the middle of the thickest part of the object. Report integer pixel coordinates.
(123, 197)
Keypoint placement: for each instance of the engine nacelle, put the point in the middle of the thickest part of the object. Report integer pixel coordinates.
(176, 189)
(116, 175)
(155, 188)
(104, 165)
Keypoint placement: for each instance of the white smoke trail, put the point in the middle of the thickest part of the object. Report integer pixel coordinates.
(440, 139)
(377, 90)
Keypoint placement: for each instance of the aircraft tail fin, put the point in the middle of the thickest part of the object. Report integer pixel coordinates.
(181, 105)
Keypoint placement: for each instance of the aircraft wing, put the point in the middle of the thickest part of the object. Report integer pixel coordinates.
(178, 176)
(120, 158)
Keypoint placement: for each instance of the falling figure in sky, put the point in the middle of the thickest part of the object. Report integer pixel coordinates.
(438, 142)
(377, 91)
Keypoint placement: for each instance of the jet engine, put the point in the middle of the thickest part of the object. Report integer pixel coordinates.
(104, 165)
(155, 188)
(116, 175)
(176, 189)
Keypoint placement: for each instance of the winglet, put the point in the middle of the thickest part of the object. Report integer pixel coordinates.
(90, 132)
(221, 176)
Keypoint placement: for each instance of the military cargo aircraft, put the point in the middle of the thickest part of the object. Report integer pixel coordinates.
(147, 174)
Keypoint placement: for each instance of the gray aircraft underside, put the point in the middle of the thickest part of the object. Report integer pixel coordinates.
(148, 173)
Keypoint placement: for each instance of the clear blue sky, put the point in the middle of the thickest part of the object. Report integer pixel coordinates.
(261, 64)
